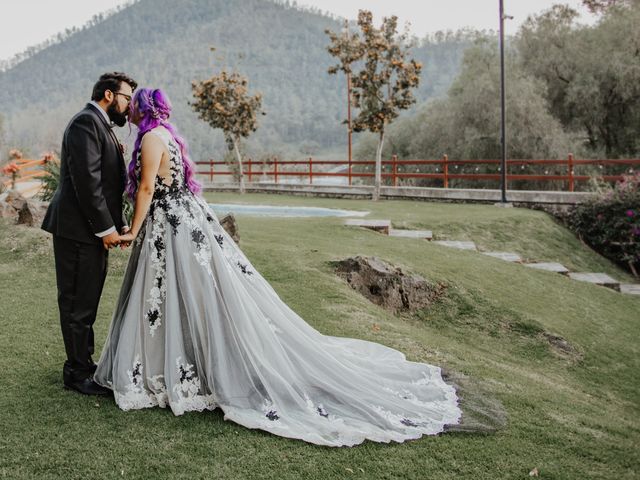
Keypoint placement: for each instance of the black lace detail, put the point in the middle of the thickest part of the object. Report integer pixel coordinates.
(152, 316)
(198, 237)
(322, 412)
(174, 221)
(186, 375)
(272, 415)
(244, 269)
(219, 239)
(408, 423)
(159, 244)
(136, 374)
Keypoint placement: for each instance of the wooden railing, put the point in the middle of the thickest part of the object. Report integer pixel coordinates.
(396, 170)
(27, 170)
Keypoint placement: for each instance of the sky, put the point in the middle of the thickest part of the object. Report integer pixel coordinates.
(22, 27)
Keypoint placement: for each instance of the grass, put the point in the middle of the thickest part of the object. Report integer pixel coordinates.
(570, 416)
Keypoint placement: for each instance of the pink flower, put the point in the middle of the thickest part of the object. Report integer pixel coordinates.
(630, 213)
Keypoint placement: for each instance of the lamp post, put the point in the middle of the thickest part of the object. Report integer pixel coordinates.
(503, 126)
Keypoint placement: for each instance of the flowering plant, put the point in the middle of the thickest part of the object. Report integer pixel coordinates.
(610, 222)
(11, 169)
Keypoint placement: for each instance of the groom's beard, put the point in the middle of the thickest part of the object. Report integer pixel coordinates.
(115, 116)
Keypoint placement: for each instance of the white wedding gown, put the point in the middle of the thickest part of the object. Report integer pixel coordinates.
(197, 327)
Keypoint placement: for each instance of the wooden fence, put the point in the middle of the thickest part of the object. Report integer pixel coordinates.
(395, 170)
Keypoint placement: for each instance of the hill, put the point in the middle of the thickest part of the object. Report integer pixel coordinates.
(163, 43)
(569, 415)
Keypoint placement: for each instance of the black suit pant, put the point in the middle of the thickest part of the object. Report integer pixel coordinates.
(81, 269)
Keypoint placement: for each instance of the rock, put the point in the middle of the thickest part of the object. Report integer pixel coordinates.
(14, 199)
(11, 203)
(32, 213)
(229, 223)
(386, 285)
(6, 210)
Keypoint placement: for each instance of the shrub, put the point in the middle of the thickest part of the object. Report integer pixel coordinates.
(51, 180)
(610, 222)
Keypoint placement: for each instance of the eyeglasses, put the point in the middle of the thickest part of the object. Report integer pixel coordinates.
(128, 97)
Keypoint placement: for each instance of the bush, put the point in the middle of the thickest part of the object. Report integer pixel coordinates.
(610, 222)
(51, 180)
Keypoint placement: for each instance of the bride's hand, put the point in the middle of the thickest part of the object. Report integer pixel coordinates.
(126, 239)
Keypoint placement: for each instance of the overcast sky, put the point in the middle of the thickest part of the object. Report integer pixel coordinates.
(28, 22)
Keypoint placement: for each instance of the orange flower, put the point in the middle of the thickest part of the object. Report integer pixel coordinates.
(10, 168)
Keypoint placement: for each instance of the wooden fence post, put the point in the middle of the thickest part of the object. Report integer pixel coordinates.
(570, 167)
(310, 170)
(445, 169)
(211, 169)
(275, 169)
(394, 175)
(249, 170)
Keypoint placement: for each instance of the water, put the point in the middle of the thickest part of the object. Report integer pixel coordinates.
(273, 211)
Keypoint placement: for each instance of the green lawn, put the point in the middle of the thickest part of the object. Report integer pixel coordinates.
(571, 416)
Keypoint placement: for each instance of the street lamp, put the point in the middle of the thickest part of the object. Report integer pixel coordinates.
(503, 127)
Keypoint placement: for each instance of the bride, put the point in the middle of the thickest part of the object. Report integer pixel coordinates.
(197, 327)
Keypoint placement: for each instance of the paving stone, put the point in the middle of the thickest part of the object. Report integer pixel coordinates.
(630, 289)
(457, 244)
(507, 256)
(422, 234)
(597, 278)
(549, 267)
(382, 226)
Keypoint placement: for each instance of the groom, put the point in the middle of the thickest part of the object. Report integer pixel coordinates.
(85, 217)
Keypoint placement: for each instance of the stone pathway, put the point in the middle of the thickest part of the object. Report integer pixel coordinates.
(457, 244)
(548, 266)
(506, 256)
(630, 289)
(423, 234)
(596, 278)
(384, 227)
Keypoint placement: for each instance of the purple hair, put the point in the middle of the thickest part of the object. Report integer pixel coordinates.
(154, 108)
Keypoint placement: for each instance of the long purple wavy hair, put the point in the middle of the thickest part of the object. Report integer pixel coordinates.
(154, 109)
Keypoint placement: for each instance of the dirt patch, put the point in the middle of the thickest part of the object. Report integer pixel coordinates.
(388, 286)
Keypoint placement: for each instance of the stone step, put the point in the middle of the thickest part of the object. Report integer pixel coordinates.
(630, 289)
(421, 234)
(382, 226)
(506, 256)
(457, 244)
(548, 266)
(596, 278)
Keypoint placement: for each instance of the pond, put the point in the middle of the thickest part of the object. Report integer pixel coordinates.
(282, 211)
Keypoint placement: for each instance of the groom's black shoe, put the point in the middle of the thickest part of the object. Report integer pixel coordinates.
(87, 387)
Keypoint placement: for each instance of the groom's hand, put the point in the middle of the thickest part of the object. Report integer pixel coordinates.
(124, 238)
(111, 240)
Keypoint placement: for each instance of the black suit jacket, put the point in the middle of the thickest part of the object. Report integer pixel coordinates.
(92, 180)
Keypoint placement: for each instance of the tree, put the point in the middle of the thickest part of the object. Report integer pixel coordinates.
(592, 75)
(385, 82)
(599, 6)
(466, 124)
(224, 102)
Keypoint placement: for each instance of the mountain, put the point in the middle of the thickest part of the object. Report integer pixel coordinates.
(166, 44)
